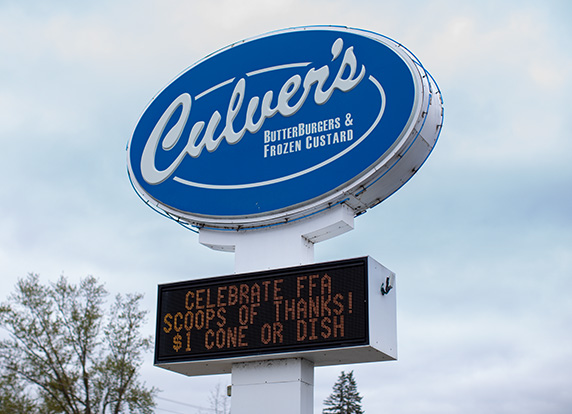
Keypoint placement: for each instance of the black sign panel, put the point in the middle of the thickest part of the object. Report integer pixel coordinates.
(286, 310)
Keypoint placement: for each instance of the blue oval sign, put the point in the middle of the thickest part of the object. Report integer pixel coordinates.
(280, 126)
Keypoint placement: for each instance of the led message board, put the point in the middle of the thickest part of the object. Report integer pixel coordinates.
(308, 311)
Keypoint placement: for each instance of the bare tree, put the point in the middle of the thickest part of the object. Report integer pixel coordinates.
(219, 400)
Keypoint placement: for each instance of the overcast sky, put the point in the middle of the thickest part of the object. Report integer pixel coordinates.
(480, 238)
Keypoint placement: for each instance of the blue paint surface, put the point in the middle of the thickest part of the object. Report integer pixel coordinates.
(254, 175)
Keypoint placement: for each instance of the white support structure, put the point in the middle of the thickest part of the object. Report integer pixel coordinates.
(280, 246)
(273, 386)
(280, 386)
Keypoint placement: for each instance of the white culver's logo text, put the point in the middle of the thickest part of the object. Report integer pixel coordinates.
(195, 144)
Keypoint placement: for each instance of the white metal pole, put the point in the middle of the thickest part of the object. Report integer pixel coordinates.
(279, 386)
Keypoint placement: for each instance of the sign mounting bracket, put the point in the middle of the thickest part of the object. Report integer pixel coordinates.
(280, 246)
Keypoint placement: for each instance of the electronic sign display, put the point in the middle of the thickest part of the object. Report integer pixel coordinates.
(293, 310)
(264, 312)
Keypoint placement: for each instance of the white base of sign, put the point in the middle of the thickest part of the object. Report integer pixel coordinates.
(279, 246)
(280, 386)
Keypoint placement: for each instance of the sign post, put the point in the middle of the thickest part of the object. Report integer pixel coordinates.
(257, 386)
(265, 148)
(282, 386)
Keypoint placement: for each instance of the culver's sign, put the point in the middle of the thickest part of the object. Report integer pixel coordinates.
(285, 125)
